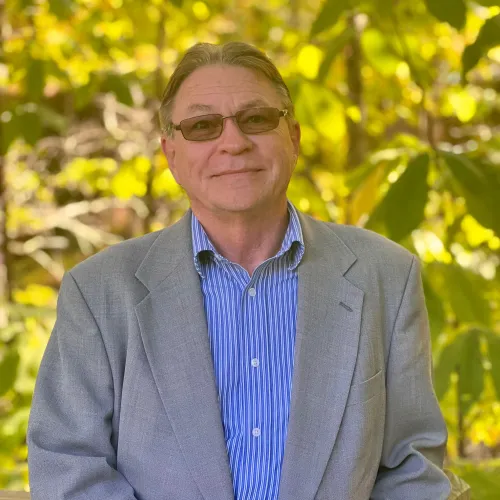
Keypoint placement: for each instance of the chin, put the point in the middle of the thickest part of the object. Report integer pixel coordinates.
(238, 204)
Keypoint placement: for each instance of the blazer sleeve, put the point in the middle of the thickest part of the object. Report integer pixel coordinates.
(415, 432)
(70, 454)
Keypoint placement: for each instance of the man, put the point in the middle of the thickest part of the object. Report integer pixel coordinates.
(248, 351)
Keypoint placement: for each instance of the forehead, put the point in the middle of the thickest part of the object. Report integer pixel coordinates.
(218, 88)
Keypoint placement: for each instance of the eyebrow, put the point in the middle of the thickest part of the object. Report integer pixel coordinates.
(207, 107)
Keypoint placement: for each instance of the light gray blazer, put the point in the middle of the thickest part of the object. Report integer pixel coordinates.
(126, 405)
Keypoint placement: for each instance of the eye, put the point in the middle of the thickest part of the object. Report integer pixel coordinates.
(202, 125)
(256, 118)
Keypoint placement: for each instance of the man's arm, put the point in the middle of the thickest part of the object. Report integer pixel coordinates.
(415, 432)
(69, 433)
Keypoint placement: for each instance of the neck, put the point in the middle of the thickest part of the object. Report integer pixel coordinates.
(248, 239)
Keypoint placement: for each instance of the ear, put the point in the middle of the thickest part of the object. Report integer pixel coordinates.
(294, 128)
(168, 148)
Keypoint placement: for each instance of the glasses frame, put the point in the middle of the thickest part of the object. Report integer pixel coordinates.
(173, 126)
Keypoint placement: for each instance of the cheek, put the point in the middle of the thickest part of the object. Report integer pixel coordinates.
(190, 163)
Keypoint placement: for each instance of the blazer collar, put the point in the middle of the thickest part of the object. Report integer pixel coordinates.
(174, 244)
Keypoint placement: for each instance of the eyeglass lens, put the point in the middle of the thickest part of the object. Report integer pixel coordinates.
(250, 121)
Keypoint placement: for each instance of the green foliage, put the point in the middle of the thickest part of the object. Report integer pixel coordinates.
(488, 37)
(329, 15)
(483, 480)
(478, 183)
(8, 370)
(400, 223)
(448, 11)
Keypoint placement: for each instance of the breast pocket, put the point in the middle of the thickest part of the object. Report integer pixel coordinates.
(362, 392)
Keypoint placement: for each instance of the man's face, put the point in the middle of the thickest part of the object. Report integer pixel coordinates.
(235, 172)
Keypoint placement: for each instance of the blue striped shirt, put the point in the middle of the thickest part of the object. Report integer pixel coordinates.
(251, 325)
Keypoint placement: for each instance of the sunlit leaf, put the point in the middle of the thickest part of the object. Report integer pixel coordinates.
(309, 60)
(329, 14)
(379, 53)
(452, 12)
(463, 104)
(365, 196)
(127, 183)
(319, 107)
(400, 212)
(488, 37)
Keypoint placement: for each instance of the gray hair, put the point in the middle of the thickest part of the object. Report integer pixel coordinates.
(233, 54)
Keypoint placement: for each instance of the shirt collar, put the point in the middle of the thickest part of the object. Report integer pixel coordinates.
(292, 245)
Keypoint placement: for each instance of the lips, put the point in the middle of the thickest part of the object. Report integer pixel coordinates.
(234, 172)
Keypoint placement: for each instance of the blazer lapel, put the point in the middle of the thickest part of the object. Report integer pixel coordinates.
(175, 336)
(327, 337)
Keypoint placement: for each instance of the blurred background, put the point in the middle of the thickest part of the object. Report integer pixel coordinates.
(399, 102)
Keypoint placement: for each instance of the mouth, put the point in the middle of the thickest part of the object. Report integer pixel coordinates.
(238, 172)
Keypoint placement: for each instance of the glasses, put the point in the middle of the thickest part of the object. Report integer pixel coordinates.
(249, 121)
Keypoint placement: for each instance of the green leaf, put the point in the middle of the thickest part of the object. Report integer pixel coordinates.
(465, 290)
(23, 4)
(31, 125)
(178, 3)
(401, 212)
(449, 362)
(333, 50)
(118, 86)
(489, 37)
(488, 3)
(62, 9)
(435, 311)
(329, 15)
(320, 108)
(35, 79)
(494, 357)
(8, 370)
(10, 129)
(83, 95)
(379, 53)
(452, 12)
(479, 184)
(52, 119)
(471, 381)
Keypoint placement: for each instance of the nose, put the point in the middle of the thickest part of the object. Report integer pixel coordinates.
(233, 140)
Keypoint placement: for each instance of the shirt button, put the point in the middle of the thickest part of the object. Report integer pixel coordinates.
(255, 362)
(252, 292)
(256, 432)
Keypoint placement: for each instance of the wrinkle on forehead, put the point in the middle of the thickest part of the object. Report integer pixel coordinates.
(244, 85)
